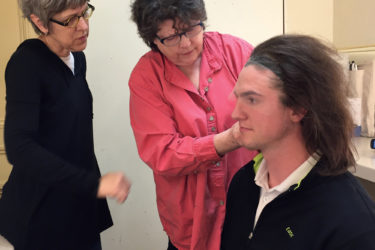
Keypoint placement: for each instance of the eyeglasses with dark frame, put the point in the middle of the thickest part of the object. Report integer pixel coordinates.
(72, 22)
(173, 40)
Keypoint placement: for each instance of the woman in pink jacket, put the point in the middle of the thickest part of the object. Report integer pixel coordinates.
(181, 117)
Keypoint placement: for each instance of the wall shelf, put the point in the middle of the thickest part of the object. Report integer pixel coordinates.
(366, 159)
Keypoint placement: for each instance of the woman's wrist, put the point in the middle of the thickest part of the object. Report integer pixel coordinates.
(225, 142)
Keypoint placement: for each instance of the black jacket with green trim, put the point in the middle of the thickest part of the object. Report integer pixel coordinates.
(324, 212)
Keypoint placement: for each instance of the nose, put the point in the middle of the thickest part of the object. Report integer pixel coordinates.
(185, 41)
(83, 24)
(237, 114)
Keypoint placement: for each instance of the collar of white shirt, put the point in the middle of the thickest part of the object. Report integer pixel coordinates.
(261, 177)
(267, 194)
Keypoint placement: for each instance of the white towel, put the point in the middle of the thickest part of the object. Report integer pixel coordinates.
(368, 100)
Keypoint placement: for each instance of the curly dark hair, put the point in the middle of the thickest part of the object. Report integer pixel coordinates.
(149, 14)
(310, 77)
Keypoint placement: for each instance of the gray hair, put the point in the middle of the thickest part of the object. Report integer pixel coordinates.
(45, 9)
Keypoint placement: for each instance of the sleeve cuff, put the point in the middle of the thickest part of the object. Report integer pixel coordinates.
(205, 150)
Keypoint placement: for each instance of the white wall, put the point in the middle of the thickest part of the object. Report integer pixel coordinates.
(113, 50)
(253, 20)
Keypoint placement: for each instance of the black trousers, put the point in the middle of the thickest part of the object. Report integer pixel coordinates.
(170, 246)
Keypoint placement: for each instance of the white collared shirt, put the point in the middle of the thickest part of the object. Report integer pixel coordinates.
(267, 195)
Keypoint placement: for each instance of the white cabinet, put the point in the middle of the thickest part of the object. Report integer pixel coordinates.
(346, 23)
(310, 17)
(354, 22)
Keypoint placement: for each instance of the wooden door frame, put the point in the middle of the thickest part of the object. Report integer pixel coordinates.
(23, 30)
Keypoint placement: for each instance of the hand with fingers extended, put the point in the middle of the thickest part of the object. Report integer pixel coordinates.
(114, 185)
(236, 134)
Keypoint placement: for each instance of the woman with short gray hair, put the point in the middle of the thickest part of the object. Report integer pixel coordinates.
(55, 195)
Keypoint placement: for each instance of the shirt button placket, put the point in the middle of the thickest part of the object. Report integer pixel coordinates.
(211, 121)
(211, 117)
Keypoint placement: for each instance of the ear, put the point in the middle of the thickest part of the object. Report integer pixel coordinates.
(38, 23)
(297, 114)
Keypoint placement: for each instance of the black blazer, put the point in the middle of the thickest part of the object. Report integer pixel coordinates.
(49, 201)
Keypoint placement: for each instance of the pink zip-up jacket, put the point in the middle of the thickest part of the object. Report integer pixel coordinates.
(174, 125)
